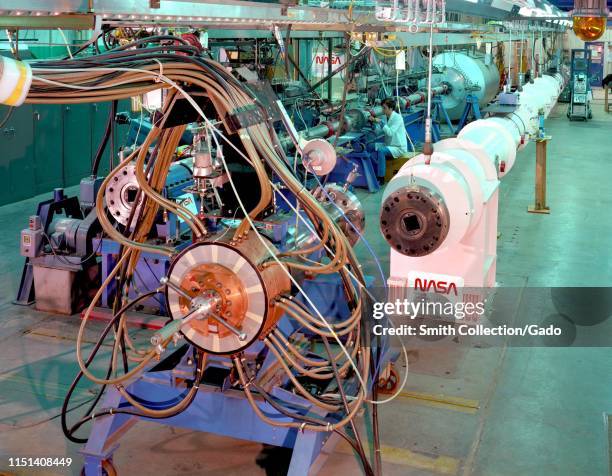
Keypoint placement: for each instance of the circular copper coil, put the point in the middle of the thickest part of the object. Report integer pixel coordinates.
(244, 291)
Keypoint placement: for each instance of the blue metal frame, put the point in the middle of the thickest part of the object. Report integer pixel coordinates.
(472, 108)
(439, 113)
(366, 177)
(223, 413)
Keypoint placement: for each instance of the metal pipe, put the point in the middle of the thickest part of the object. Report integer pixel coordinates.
(329, 128)
(427, 147)
(242, 336)
(165, 281)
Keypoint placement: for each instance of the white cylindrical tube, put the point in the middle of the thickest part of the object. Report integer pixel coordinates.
(15, 81)
(434, 206)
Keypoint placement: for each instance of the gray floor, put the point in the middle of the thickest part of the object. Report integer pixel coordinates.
(476, 411)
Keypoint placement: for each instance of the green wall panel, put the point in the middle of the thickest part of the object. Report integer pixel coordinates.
(43, 147)
(48, 147)
(16, 155)
(77, 143)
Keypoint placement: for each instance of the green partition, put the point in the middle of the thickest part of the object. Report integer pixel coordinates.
(16, 151)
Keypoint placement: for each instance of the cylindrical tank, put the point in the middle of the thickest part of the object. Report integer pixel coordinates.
(465, 74)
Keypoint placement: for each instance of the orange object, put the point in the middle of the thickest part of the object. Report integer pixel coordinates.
(589, 28)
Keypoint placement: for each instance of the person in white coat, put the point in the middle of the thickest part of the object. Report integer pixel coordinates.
(394, 130)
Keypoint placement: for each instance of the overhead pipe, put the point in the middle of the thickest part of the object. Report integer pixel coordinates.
(356, 118)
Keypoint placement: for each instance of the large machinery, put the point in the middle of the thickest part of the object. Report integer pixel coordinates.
(216, 220)
(439, 213)
(246, 350)
(355, 138)
(357, 118)
(473, 82)
(469, 78)
(462, 84)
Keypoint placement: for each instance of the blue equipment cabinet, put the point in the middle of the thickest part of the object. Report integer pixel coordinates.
(580, 92)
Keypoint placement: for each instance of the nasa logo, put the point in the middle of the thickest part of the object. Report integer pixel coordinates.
(324, 59)
(441, 287)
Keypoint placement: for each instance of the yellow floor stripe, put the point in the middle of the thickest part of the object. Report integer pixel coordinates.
(39, 333)
(404, 457)
(442, 401)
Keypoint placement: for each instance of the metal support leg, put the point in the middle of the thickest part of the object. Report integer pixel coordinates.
(308, 445)
(370, 175)
(438, 115)
(476, 110)
(464, 117)
(435, 131)
(540, 178)
(472, 108)
(104, 435)
(447, 119)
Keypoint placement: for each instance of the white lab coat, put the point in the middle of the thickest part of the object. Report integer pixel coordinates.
(395, 135)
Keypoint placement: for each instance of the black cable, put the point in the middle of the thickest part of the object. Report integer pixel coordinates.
(8, 115)
(366, 465)
(106, 45)
(87, 44)
(107, 133)
(111, 156)
(46, 420)
(297, 417)
(123, 275)
(68, 432)
(154, 39)
(115, 411)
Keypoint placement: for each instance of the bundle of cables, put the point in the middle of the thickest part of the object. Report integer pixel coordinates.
(169, 63)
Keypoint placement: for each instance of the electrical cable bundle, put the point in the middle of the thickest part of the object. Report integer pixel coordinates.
(168, 62)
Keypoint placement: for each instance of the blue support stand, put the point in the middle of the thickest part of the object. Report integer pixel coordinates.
(472, 108)
(415, 125)
(438, 114)
(225, 413)
(362, 156)
(414, 120)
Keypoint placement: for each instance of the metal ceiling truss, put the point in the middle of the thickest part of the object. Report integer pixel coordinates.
(229, 15)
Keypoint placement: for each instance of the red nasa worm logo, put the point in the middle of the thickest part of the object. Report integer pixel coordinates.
(442, 287)
(324, 59)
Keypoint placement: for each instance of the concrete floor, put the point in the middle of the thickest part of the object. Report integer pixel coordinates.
(479, 411)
